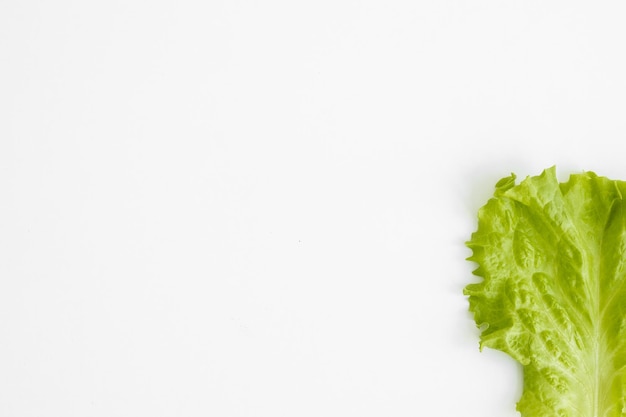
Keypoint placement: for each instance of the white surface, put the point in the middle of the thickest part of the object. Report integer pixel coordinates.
(226, 208)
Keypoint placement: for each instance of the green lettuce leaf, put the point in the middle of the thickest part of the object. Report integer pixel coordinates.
(553, 295)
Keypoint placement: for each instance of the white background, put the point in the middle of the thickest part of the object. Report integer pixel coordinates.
(240, 208)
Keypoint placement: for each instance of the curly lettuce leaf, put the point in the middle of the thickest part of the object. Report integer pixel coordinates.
(553, 295)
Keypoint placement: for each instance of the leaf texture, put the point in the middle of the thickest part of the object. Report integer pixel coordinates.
(553, 295)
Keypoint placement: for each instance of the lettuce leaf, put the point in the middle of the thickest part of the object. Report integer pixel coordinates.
(553, 295)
